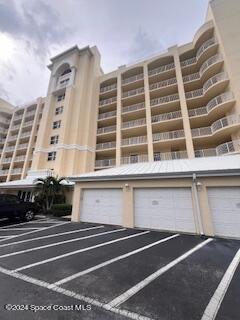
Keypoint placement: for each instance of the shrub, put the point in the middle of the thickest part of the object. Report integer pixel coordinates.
(62, 209)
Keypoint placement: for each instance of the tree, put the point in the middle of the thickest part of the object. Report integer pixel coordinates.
(46, 190)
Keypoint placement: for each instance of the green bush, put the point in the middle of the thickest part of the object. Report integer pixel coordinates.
(62, 209)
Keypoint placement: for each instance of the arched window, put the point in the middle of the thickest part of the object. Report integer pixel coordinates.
(66, 71)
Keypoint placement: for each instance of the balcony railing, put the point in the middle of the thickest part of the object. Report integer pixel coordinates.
(225, 97)
(19, 158)
(215, 79)
(4, 120)
(133, 107)
(134, 92)
(30, 113)
(191, 77)
(7, 160)
(205, 153)
(166, 116)
(214, 59)
(16, 127)
(132, 79)
(106, 129)
(217, 125)
(105, 163)
(22, 146)
(107, 101)
(11, 138)
(16, 171)
(163, 84)
(202, 49)
(25, 134)
(106, 145)
(163, 100)
(28, 123)
(162, 156)
(134, 140)
(133, 123)
(18, 116)
(9, 149)
(168, 135)
(227, 147)
(108, 88)
(134, 159)
(107, 115)
(4, 172)
(161, 69)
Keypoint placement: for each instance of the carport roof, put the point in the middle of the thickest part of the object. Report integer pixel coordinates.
(211, 166)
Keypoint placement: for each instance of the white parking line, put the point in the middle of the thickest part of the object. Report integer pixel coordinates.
(30, 232)
(14, 229)
(101, 265)
(139, 286)
(71, 294)
(212, 308)
(20, 224)
(60, 243)
(49, 236)
(79, 251)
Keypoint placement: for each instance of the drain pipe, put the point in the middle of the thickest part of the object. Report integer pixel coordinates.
(195, 194)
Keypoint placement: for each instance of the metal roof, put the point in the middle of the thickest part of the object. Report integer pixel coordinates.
(210, 166)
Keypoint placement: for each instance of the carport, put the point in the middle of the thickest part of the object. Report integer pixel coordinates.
(199, 196)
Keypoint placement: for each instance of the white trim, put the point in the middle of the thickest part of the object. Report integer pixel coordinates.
(142, 284)
(106, 263)
(65, 147)
(79, 251)
(212, 308)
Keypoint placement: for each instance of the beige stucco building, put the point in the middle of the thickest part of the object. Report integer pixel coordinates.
(182, 104)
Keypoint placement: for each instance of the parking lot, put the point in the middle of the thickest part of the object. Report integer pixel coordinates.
(56, 269)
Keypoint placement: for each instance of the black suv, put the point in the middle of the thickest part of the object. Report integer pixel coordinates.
(12, 207)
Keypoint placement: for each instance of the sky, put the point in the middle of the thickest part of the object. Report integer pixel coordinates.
(32, 31)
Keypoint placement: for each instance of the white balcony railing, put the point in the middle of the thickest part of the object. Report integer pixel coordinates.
(20, 158)
(223, 98)
(228, 147)
(108, 88)
(4, 172)
(16, 171)
(107, 115)
(166, 116)
(106, 145)
(134, 159)
(161, 69)
(205, 153)
(133, 123)
(12, 138)
(215, 79)
(191, 77)
(211, 61)
(25, 134)
(217, 125)
(163, 100)
(16, 127)
(28, 123)
(22, 146)
(131, 93)
(132, 79)
(8, 149)
(162, 156)
(107, 101)
(7, 160)
(168, 135)
(163, 84)
(105, 163)
(106, 129)
(133, 107)
(134, 140)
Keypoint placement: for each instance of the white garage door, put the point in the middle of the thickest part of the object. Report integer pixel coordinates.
(102, 206)
(225, 208)
(164, 209)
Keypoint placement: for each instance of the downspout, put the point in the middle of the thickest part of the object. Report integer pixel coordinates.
(195, 194)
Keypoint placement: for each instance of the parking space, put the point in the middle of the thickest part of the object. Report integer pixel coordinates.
(121, 273)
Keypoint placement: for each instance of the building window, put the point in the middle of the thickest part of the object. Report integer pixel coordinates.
(56, 124)
(157, 156)
(61, 97)
(54, 140)
(134, 158)
(52, 156)
(59, 110)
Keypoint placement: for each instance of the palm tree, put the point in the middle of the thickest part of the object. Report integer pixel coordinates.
(46, 190)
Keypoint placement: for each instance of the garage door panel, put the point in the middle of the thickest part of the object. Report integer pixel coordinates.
(102, 206)
(164, 208)
(224, 205)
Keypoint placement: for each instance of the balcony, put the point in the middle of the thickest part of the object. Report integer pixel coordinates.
(107, 115)
(16, 171)
(134, 123)
(191, 77)
(22, 146)
(106, 145)
(134, 141)
(4, 120)
(170, 135)
(167, 116)
(161, 69)
(20, 159)
(132, 79)
(106, 130)
(105, 163)
(169, 101)
(213, 61)
(27, 124)
(134, 159)
(163, 156)
(221, 103)
(132, 93)
(216, 126)
(30, 114)
(228, 147)
(133, 107)
(7, 160)
(4, 172)
(108, 88)
(107, 102)
(13, 138)
(9, 149)
(167, 121)
(206, 153)
(16, 127)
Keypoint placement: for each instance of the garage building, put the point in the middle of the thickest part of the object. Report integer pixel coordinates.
(198, 196)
